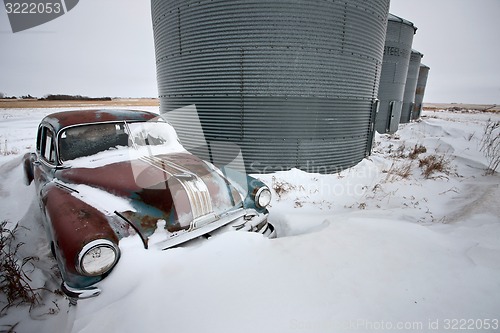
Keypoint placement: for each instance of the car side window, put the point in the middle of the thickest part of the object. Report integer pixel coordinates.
(46, 145)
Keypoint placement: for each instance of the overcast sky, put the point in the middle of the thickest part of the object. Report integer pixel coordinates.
(105, 48)
(99, 48)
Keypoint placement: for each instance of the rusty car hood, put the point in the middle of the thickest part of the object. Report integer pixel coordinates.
(175, 192)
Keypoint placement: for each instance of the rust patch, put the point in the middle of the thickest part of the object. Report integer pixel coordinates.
(74, 223)
(63, 119)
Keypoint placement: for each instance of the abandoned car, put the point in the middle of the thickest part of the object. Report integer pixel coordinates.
(102, 175)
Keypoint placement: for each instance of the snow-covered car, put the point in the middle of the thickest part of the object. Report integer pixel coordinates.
(103, 175)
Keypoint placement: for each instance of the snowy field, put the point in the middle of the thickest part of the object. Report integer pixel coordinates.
(378, 247)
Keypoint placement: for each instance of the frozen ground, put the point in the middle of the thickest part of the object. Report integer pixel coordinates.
(378, 247)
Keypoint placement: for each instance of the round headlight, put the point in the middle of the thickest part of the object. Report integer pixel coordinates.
(263, 197)
(97, 257)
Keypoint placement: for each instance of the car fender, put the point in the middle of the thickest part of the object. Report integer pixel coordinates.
(73, 224)
(28, 160)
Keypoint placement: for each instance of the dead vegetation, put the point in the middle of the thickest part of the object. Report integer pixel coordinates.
(398, 171)
(432, 164)
(9, 328)
(417, 150)
(402, 164)
(5, 151)
(15, 286)
(281, 187)
(490, 145)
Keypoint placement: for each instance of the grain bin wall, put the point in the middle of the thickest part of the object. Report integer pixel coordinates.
(423, 74)
(410, 86)
(397, 50)
(290, 83)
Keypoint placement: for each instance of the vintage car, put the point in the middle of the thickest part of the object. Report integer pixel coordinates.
(102, 175)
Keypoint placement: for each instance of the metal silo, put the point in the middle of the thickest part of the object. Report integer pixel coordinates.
(288, 83)
(423, 73)
(410, 86)
(397, 50)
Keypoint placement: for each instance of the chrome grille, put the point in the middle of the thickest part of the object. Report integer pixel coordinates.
(195, 187)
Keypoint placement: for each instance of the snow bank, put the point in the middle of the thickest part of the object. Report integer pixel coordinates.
(379, 247)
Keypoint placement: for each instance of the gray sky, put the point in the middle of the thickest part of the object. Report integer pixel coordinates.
(105, 48)
(100, 48)
(460, 40)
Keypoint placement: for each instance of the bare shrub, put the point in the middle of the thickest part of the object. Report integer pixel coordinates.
(396, 172)
(298, 203)
(6, 151)
(281, 187)
(490, 145)
(9, 328)
(14, 281)
(434, 163)
(417, 150)
(400, 152)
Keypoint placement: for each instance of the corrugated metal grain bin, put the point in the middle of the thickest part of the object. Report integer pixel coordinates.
(410, 86)
(290, 83)
(398, 41)
(423, 74)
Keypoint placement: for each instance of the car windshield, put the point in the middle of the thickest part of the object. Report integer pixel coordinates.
(88, 140)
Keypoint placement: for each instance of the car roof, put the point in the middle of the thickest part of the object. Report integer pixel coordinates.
(60, 120)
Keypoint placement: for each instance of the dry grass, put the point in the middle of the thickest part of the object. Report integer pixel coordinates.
(397, 172)
(401, 167)
(14, 281)
(281, 187)
(490, 145)
(34, 103)
(432, 164)
(417, 150)
(5, 151)
(8, 328)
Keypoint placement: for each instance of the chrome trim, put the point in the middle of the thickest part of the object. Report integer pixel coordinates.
(268, 231)
(235, 219)
(91, 245)
(204, 220)
(259, 191)
(80, 293)
(196, 189)
(40, 158)
(65, 187)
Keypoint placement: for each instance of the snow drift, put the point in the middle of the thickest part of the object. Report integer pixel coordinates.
(381, 246)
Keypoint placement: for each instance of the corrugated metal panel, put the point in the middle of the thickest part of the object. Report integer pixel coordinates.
(291, 83)
(410, 86)
(397, 50)
(423, 74)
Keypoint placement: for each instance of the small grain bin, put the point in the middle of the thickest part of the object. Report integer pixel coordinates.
(423, 73)
(397, 50)
(285, 84)
(410, 86)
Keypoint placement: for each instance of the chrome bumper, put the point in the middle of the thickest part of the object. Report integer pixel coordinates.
(269, 231)
(75, 294)
(255, 222)
(239, 219)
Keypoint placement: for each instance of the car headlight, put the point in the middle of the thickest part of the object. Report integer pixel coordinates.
(263, 197)
(97, 257)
